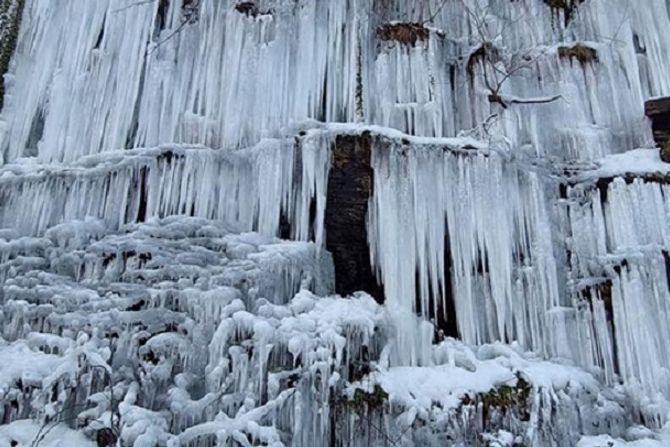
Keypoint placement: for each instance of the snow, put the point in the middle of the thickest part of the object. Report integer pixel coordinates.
(607, 441)
(26, 431)
(636, 161)
(22, 363)
(423, 386)
(469, 371)
(635, 437)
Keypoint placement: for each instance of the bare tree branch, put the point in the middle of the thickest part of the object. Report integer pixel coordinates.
(132, 5)
(496, 68)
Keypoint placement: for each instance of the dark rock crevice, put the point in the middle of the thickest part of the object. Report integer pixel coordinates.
(658, 111)
(443, 315)
(350, 184)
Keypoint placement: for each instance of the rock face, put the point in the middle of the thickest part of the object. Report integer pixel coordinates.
(658, 110)
(349, 190)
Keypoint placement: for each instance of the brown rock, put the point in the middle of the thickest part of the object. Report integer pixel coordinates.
(349, 188)
(658, 111)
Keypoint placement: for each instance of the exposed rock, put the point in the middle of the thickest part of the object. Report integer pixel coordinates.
(665, 152)
(601, 291)
(582, 53)
(250, 9)
(105, 438)
(406, 33)
(504, 399)
(567, 7)
(658, 110)
(349, 188)
(486, 51)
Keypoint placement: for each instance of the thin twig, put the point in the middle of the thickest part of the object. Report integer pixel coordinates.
(432, 16)
(132, 5)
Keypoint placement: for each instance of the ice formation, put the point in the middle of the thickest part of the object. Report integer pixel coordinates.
(165, 233)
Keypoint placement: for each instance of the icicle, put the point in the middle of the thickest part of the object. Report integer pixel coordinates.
(497, 231)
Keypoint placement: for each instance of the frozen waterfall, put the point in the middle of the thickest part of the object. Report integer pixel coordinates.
(334, 222)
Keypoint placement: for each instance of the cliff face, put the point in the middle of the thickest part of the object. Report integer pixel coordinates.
(186, 185)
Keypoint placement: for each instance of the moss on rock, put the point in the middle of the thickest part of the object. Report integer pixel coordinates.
(406, 33)
(504, 398)
(580, 52)
(10, 21)
(665, 151)
(364, 401)
(487, 51)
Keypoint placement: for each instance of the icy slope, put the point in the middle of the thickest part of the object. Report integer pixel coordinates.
(196, 330)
